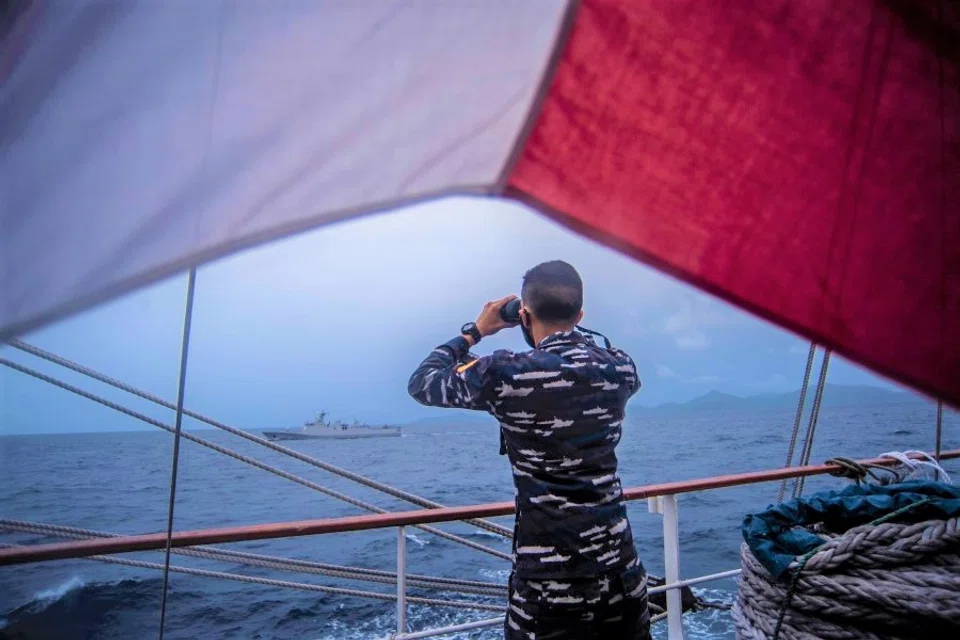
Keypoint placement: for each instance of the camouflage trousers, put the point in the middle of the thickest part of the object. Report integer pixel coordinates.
(611, 607)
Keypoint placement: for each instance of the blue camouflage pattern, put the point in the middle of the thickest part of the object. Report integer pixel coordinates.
(611, 607)
(561, 409)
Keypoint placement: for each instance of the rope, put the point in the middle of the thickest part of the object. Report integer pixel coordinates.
(805, 558)
(658, 617)
(915, 465)
(849, 468)
(939, 435)
(275, 562)
(879, 580)
(488, 589)
(243, 458)
(791, 590)
(178, 430)
(812, 425)
(796, 420)
(293, 453)
(292, 585)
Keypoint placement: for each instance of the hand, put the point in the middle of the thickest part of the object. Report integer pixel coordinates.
(489, 321)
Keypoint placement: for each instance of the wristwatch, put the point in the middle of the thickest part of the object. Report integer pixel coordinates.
(470, 329)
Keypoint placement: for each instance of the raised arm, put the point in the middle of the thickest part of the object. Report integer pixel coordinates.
(450, 377)
(628, 371)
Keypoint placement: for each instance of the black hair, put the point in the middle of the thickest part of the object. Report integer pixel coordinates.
(553, 291)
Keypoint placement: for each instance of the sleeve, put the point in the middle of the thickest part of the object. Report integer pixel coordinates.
(629, 376)
(451, 377)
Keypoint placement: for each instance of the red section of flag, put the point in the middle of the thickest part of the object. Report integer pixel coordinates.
(799, 158)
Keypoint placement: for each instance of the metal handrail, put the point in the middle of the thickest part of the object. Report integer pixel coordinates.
(148, 542)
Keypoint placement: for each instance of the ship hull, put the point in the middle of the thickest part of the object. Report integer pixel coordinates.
(332, 435)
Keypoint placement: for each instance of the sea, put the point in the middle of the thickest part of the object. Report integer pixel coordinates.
(118, 483)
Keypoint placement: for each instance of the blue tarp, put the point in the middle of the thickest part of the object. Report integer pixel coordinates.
(776, 540)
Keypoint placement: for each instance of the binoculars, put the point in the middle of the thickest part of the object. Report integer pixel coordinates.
(510, 312)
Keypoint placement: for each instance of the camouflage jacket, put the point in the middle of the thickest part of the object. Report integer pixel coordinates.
(560, 408)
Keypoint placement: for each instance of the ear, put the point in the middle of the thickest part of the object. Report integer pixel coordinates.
(579, 317)
(524, 318)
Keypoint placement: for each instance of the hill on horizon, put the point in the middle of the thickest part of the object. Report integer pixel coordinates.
(834, 395)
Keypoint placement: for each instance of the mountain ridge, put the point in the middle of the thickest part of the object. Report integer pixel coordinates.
(834, 395)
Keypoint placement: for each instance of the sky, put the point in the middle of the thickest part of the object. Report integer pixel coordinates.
(339, 317)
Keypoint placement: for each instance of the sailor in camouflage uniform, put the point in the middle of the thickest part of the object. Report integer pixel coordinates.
(560, 406)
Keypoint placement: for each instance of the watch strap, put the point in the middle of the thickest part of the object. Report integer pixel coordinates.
(470, 329)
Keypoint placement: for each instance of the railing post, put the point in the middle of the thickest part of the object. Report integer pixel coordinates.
(401, 580)
(667, 506)
(671, 561)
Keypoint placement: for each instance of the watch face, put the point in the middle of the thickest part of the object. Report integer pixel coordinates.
(470, 329)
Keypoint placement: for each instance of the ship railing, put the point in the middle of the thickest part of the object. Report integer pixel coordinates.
(662, 499)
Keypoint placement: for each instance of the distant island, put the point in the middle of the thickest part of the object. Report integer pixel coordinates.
(834, 395)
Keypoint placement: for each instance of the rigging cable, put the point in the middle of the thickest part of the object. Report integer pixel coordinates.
(939, 436)
(178, 429)
(812, 425)
(941, 81)
(291, 585)
(796, 420)
(293, 453)
(274, 562)
(241, 457)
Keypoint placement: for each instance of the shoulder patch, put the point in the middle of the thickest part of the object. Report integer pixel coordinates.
(466, 366)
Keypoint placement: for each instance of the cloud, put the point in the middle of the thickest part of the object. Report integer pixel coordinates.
(685, 331)
(663, 371)
(687, 325)
(704, 379)
(693, 341)
(776, 382)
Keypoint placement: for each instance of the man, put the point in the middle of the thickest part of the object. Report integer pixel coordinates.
(560, 406)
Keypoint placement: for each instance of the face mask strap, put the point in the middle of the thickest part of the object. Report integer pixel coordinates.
(595, 333)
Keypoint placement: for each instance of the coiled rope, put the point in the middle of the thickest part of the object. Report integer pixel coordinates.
(243, 458)
(858, 472)
(879, 580)
(293, 453)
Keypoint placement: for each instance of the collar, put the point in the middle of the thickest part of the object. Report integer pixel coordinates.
(562, 339)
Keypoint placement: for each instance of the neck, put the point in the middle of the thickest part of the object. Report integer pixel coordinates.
(541, 331)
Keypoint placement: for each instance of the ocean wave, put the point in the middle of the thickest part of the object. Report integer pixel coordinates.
(49, 595)
(414, 538)
(701, 500)
(483, 533)
(709, 624)
(495, 575)
(205, 608)
(76, 603)
(418, 618)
